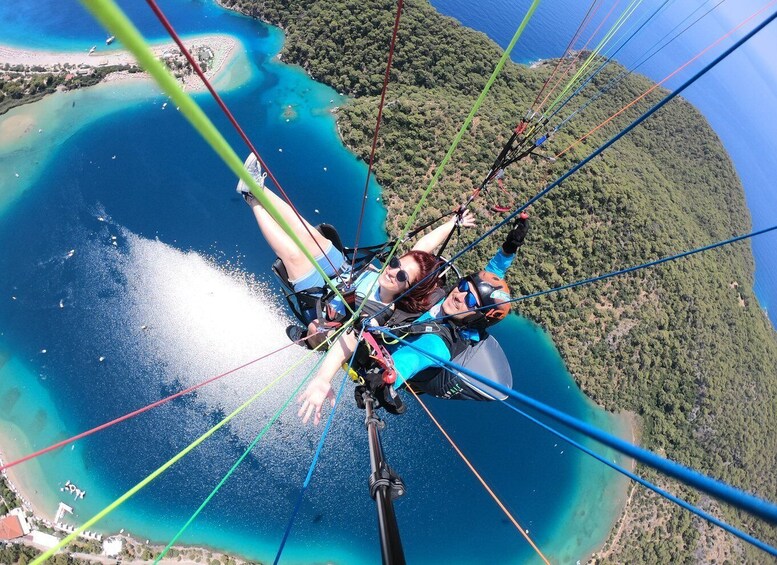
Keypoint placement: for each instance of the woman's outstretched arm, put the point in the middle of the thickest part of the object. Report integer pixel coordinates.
(320, 388)
(435, 238)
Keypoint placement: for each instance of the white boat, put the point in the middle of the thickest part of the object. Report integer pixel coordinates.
(91, 50)
(74, 490)
(110, 40)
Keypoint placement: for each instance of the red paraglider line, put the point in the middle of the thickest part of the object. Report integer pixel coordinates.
(377, 127)
(666, 78)
(174, 35)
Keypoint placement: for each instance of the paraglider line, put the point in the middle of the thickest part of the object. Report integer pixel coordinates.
(679, 501)
(740, 499)
(479, 477)
(140, 410)
(200, 73)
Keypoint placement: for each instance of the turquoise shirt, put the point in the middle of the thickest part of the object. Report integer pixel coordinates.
(408, 362)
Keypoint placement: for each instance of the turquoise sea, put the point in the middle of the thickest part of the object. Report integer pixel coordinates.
(131, 269)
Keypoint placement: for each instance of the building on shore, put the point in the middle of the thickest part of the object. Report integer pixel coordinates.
(14, 525)
(43, 540)
(112, 546)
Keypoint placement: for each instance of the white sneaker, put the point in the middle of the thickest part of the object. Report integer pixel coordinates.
(255, 170)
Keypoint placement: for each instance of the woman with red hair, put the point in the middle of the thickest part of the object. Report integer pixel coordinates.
(403, 280)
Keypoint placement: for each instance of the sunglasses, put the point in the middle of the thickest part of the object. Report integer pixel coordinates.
(402, 275)
(471, 300)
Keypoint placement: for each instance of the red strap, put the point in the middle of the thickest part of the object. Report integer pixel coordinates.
(200, 73)
(382, 358)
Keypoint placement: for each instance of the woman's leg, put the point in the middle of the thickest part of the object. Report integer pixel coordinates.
(297, 265)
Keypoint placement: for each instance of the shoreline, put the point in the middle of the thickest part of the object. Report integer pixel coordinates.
(9, 437)
(13, 129)
(34, 508)
(14, 478)
(31, 125)
(630, 423)
(223, 47)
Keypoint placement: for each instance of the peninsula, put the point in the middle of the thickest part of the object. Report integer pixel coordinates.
(685, 347)
(29, 75)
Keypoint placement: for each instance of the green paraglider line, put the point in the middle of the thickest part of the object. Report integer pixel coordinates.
(123, 498)
(230, 116)
(248, 450)
(114, 20)
(609, 35)
(738, 498)
(476, 106)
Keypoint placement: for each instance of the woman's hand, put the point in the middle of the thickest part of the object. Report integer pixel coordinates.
(312, 399)
(320, 388)
(432, 241)
(467, 219)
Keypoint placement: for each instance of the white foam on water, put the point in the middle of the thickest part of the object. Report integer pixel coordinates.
(164, 319)
(204, 319)
(186, 317)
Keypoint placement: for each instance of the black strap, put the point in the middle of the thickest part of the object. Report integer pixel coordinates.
(385, 395)
(421, 228)
(516, 148)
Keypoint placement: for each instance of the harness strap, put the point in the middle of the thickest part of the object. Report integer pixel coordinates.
(382, 358)
(456, 228)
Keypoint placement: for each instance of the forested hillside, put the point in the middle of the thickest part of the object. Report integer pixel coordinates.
(685, 345)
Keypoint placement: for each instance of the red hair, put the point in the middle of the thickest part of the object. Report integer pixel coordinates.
(420, 295)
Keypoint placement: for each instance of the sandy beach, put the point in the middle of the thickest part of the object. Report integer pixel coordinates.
(25, 479)
(15, 127)
(30, 127)
(13, 445)
(223, 47)
(15, 478)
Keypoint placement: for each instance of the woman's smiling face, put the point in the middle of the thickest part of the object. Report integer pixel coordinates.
(399, 275)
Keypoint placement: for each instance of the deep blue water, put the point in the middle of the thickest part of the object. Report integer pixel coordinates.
(734, 97)
(139, 225)
(68, 25)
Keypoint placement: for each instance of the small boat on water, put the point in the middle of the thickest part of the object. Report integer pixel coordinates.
(73, 489)
(110, 40)
(91, 50)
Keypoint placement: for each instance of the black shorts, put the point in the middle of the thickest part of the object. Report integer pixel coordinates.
(445, 384)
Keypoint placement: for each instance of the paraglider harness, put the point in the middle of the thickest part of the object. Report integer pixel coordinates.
(312, 304)
(484, 356)
(373, 368)
(373, 371)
